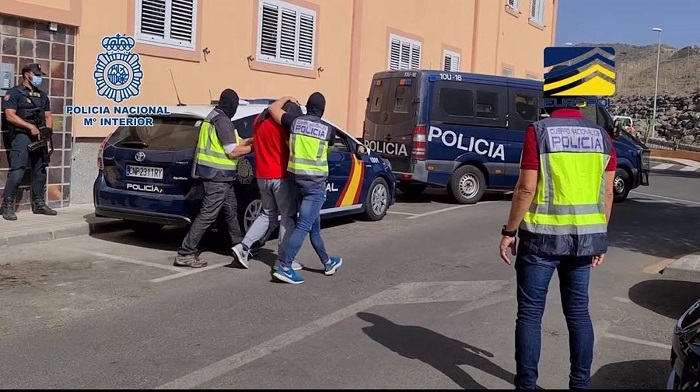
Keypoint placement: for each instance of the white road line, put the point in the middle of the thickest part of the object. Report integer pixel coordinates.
(187, 273)
(689, 169)
(450, 209)
(662, 166)
(666, 198)
(126, 259)
(400, 213)
(638, 341)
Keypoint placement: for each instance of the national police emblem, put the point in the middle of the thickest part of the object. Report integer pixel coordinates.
(118, 71)
(245, 171)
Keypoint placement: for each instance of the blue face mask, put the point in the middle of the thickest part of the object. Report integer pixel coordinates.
(36, 80)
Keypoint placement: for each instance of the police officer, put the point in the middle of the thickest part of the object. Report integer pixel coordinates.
(27, 109)
(309, 141)
(561, 206)
(218, 150)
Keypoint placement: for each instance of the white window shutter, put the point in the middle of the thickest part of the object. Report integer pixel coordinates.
(167, 22)
(533, 9)
(153, 18)
(415, 56)
(404, 53)
(307, 24)
(451, 61)
(395, 55)
(286, 34)
(269, 29)
(447, 63)
(182, 16)
(513, 4)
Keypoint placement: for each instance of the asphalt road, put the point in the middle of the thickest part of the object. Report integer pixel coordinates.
(422, 301)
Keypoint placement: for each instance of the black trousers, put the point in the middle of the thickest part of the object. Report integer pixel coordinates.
(20, 160)
(218, 197)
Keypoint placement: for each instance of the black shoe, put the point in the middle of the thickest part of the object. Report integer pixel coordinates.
(40, 207)
(8, 210)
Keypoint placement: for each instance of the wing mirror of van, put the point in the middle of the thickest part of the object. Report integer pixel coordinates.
(361, 150)
(616, 130)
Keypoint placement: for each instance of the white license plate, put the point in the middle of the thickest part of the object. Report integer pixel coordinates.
(155, 173)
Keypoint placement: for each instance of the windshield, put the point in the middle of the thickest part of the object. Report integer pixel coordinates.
(166, 134)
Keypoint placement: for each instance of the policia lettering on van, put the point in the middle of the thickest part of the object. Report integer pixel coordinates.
(464, 132)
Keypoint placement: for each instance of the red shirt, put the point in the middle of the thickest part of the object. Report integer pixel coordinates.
(270, 147)
(530, 159)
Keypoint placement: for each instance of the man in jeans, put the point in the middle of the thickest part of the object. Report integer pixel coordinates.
(215, 163)
(277, 192)
(561, 205)
(308, 168)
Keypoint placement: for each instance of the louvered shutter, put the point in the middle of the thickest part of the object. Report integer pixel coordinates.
(153, 19)
(182, 15)
(169, 22)
(286, 34)
(403, 53)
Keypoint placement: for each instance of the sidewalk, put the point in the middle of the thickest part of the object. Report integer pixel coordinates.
(675, 165)
(685, 268)
(70, 222)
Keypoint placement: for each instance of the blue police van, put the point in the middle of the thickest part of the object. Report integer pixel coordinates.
(464, 132)
(145, 173)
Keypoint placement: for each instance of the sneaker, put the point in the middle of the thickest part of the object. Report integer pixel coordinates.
(240, 255)
(332, 265)
(288, 276)
(296, 266)
(192, 261)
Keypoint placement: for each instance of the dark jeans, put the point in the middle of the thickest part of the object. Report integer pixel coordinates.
(218, 197)
(533, 275)
(308, 222)
(20, 158)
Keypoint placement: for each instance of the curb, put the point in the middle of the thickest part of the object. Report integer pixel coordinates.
(685, 268)
(66, 231)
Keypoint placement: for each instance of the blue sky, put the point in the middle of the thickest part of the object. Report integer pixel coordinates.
(629, 21)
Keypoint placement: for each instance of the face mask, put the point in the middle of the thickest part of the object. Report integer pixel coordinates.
(36, 81)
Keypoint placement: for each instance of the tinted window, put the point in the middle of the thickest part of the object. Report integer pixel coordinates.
(166, 134)
(486, 104)
(402, 104)
(340, 144)
(375, 98)
(457, 102)
(526, 107)
(244, 126)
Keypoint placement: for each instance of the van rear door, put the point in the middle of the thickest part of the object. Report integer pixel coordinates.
(391, 117)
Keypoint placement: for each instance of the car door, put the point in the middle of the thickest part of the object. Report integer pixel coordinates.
(340, 165)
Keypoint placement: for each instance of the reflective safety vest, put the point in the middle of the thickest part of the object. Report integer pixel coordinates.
(211, 153)
(567, 215)
(308, 147)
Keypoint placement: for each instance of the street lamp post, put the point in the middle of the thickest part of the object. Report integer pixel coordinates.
(656, 84)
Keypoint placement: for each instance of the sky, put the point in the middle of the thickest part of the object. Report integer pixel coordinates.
(629, 21)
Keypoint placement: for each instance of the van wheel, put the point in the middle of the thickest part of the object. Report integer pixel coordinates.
(621, 185)
(412, 190)
(144, 228)
(377, 202)
(467, 185)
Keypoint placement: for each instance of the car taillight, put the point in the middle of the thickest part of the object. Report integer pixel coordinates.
(100, 153)
(419, 140)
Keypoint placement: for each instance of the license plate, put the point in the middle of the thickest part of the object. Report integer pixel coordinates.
(154, 173)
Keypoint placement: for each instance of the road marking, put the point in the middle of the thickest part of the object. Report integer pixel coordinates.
(666, 198)
(400, 213)
(688, 169)
(187, 273)
(450, 209)
(417, 292)
(125, 259)
(663, 166)
(656, 268)
(638, 341)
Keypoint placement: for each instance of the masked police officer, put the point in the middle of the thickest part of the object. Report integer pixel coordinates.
(27, 110)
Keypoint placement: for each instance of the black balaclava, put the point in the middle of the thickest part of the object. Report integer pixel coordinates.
(293, 109)
(228, 102)
(316, 104)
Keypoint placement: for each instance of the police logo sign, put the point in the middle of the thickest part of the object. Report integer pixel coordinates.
(245, 171)
(118, 71)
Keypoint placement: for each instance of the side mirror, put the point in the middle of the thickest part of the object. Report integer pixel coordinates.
(617, 129)
(361, 150)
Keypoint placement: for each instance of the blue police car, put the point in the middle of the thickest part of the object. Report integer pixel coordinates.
(145, 173)
(464, 132)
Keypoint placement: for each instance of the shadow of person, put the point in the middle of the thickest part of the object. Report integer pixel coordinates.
(439, 351)
(638, 374)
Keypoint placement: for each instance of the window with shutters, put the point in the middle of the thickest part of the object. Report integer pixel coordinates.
(286, 34)
(169, 23)
(532, 76)
(450, 61)
(537, 12)
(404, 53)
(513, 4)
(506, 71)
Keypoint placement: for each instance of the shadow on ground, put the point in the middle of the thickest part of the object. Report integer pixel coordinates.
(655, 228)
(666, 297)
(439, 351)
(641, 374)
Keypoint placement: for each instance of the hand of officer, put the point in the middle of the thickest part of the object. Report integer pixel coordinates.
(507, 242)
(34, 130)
(598, 260)
(247, 142)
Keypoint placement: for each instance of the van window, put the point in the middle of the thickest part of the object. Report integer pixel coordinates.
(244, 126)
(457, 102)
(391, 102)
(526, 107)
(402, 102)
(375, 99)
(469, 104)
(486, 104)
(166, 134)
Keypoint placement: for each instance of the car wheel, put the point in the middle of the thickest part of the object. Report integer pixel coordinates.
(377, 203)
(250, 213)
(412, 190)
(144, 228)
(621, 185)
(467, 185)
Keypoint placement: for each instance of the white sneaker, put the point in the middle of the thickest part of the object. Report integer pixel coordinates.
(296, 266)
(240, 255)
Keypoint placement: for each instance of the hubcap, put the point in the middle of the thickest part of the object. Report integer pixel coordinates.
(252, 212)
(379, 199)
(468, 185)
(619, 185)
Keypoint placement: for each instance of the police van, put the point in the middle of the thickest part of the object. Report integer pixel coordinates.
(464, 132)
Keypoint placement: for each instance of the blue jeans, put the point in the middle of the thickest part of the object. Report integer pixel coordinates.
(309, 222)
(533, 276)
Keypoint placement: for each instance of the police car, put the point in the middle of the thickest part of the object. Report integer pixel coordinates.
(145, 173)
